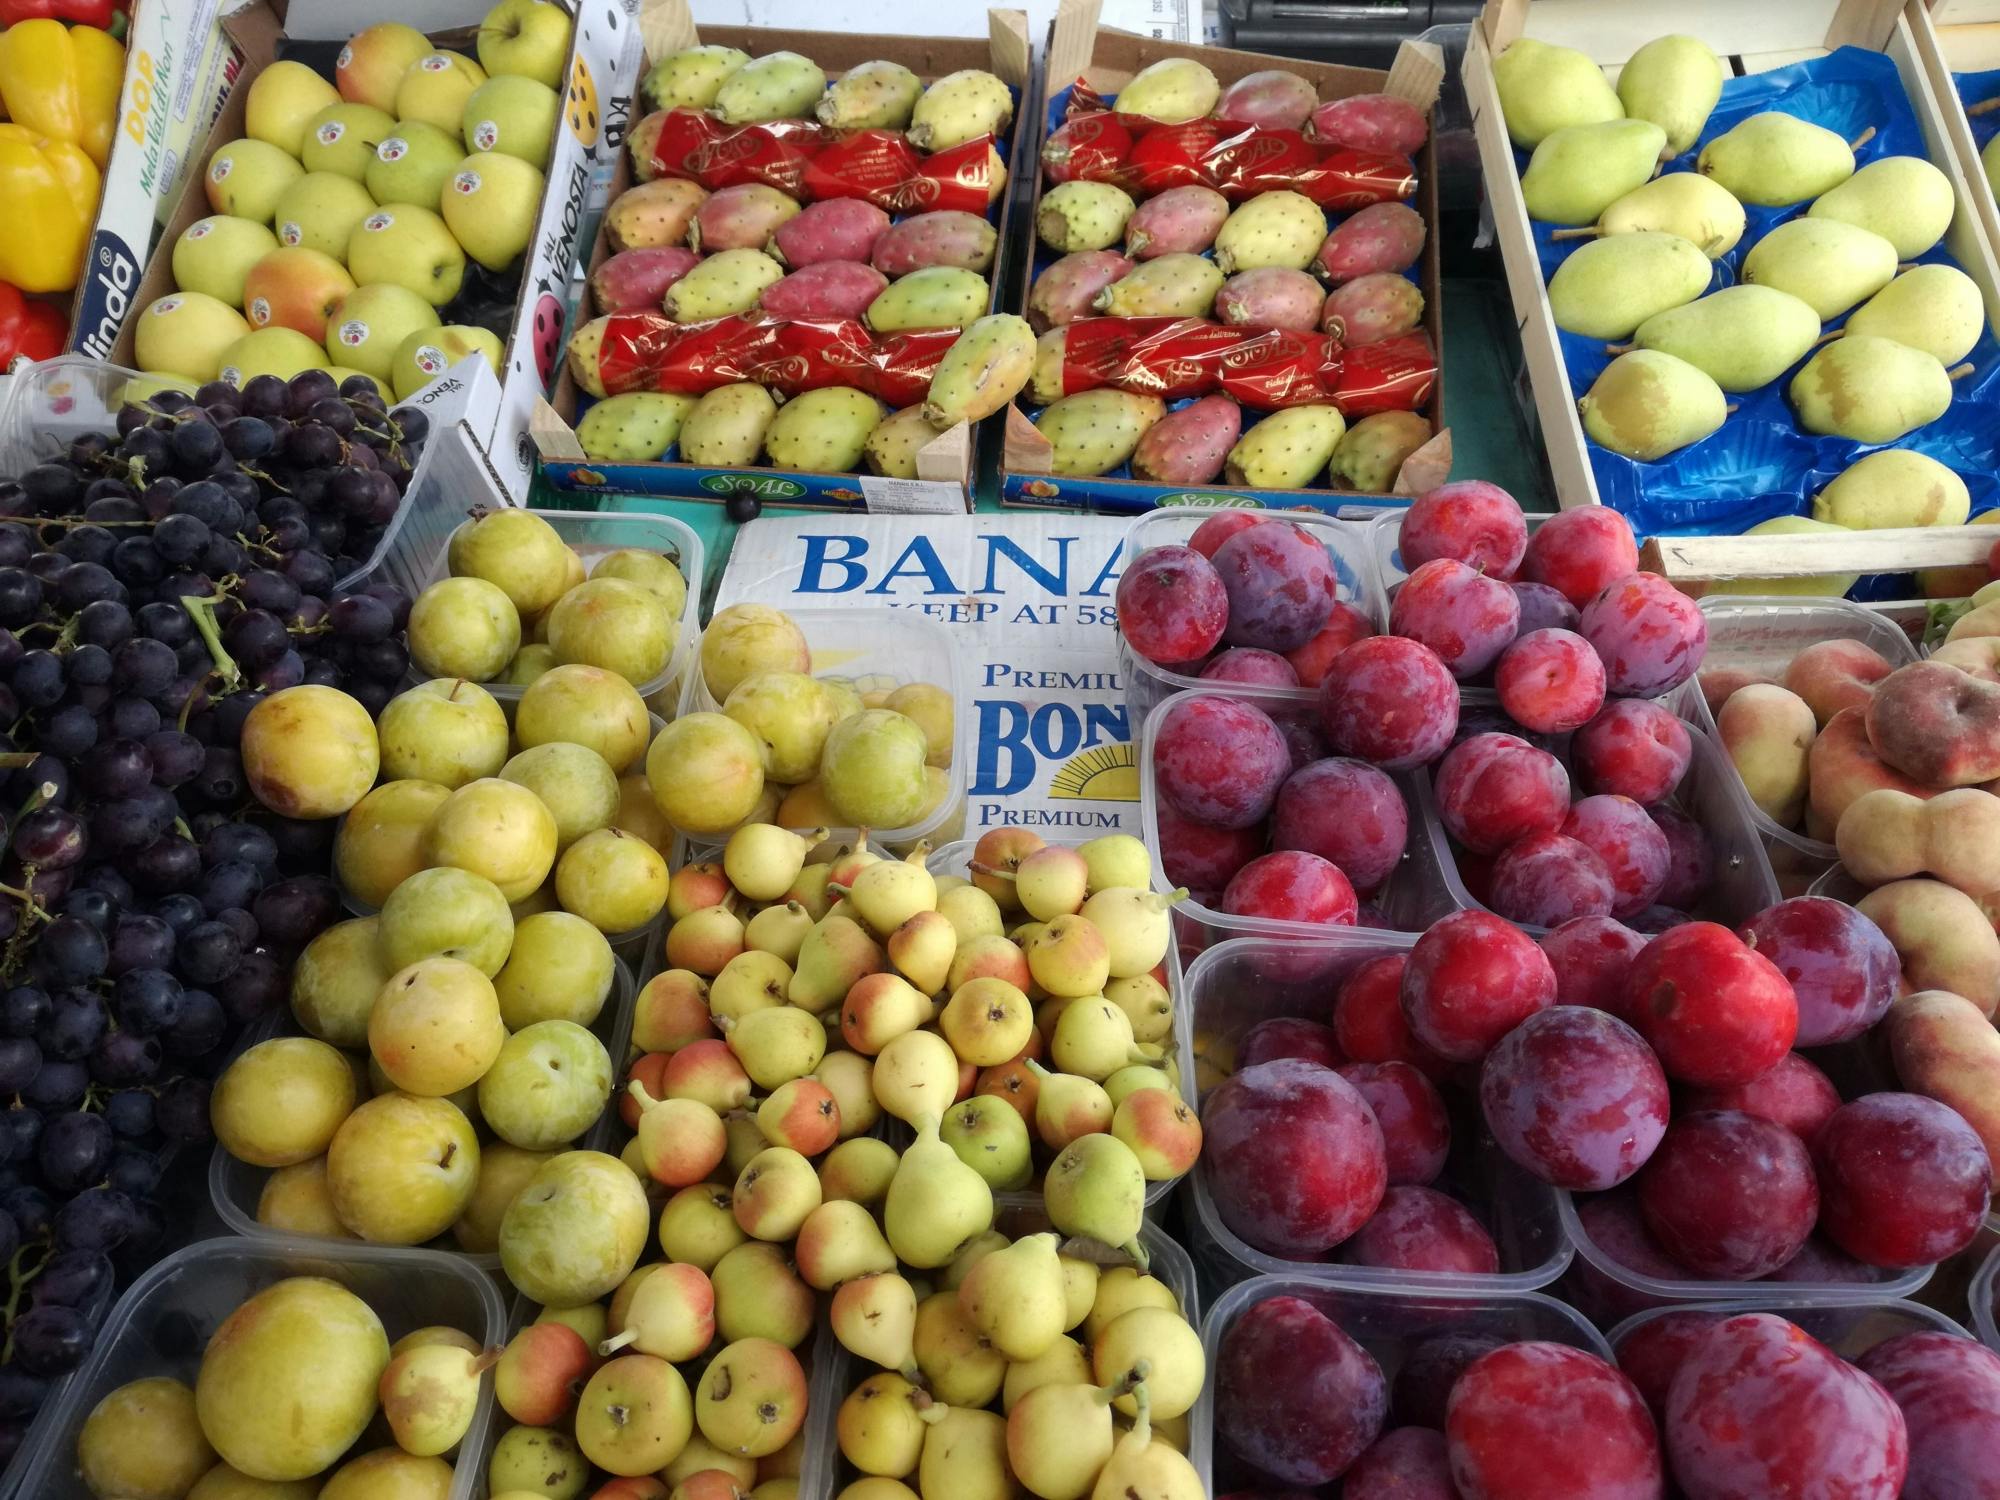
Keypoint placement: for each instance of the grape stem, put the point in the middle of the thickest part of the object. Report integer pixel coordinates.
(14, 760)
(17, 1283)
(202, 612)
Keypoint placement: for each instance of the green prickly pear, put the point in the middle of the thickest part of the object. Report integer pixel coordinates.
(1272, 229)
(1372, 453)
(959, 107)
(1581, 170)
(1046, 383)
(982, 372)
(1544, 88)
(1173, 286)
(585, 346)
(891, 449)
(1647, 404)
(1173, 91)
(776, 86)
(1094, 432)
(690, 78)
(1775, 159)
(725, 283)
(633, 428)
(871, 96)
(1287, 449)
(726, 428)
(1084, 216)
(935, 297)
(823, 431)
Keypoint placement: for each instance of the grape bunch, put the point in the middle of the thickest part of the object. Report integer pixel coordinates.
(155, 584)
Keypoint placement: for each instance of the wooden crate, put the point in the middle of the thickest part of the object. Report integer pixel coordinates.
(1961, 36)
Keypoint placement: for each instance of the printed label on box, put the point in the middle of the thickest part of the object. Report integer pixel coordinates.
(893, 497)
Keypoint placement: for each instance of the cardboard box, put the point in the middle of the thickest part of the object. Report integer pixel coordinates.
(947, 467)
(1962, 36)
(1107, 60)
(587, 140)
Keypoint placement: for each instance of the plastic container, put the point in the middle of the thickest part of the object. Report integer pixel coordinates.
(235, 1186)
(164, 1322)
(875, 648)
(52, 403)
(1233, 986)
(1347, 544)
(1985, 1299)
(1384, 538)
(1849, 1331)
(1388, 1323)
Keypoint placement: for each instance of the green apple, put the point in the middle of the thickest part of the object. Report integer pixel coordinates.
(342, 138)
(185, 334)
(282, 98)
(514, 115)
(413, 165)
(319, 212)
(490, 206)
(527, 37)
(245, 178)
(282, 352)
(297, 289)
(408, 246)
(213, 255)
(435, 89)
(371, 322)
(429, 352)
(372, 64)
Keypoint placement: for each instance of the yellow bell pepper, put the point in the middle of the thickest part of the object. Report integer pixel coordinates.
(48, 204)
(63, 82)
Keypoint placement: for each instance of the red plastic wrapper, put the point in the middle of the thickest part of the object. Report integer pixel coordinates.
(1173, 358)
(1088, 148)
(695, 145)
(649, 352)
(1396, 374)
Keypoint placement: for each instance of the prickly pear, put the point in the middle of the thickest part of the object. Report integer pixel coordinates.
(1371, 453)
(891, 449)
(726, 428)
(585, 345)
(652, 214)
(1272, 229)
(1381, 237)
(831, 229)
(871, 96)
(823, 430)
(1174, 286)
(634, 279)
(939, 297)
(943, 237)
(633, 428)
(689, 79)
(1270, 297)
(1064, 292)
(741, 217)
(776, 86)
(1094, 432)
(823, 290)
(958, 107)
(1271, 97)
(1373, 307)
(1182, 219)
(1173, 90)
(1046, 383)
(1371, 122)
(1288, 449)
(982, 372)
(1083, 216)
(721, 285)
(1189, 446)
(640, 141)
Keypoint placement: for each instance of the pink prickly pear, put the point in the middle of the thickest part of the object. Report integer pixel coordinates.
(1180, 220)
(1375, 307)
(1381, 237)
(740, 217)
(1065, 291)
(831, 229)
(1272, 97)
(1270, 297)
(944, 237)
(1371, 122)
(824, 290)
(1189, 446)
(634, 279)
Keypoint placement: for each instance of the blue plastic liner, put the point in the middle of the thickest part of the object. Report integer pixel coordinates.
(1759, 463)
(1977, 88)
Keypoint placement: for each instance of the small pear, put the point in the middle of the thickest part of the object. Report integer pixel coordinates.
(1608, 287)
(1697, 208)
(1934, 308)
(429, 1394)
(1581, 170)
(1080, 1279)
(1904, 199)
(1894, 487)
(890, 892)
(1646, 405)
(1116, 859)
(1059, 1438)
(916, 1075)
(1673, 81)
(1069, 956)
(762, 860)
(1774, 159)
(838, 1242)
(1064, 1363)
(1156, 1345)
(987, 1021)
(1096, 1188)
(671, 1315)
(835, 955)
(960, 1367)
(1144, 1468)
(752, 980)
(1051, 882)
(881, 1424)
(779, 930)
(965, 1458)
(971, 912)
(875, 1318)
(1067, 1106)
(990, 1137)
(1093, 1039)
(971, 1254)
(859, 1170)
(1873, 390)
(1741, 337)
(1544, 88)
(1137, 925)
(776, 1045)
(1119, 1290)
(922, 950)
(880, 1008)
(1824, 262)
(935, 1203)
(1014, 1297)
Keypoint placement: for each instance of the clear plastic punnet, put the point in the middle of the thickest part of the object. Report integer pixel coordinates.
(1849, 1330)
(1233, 986)
(1984, 1295)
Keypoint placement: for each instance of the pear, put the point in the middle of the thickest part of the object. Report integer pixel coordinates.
(1096, 1188)
(922, 950)
(990, 1137)
(762, 860)
(1774, 159)
(965, 1458)
(1064, 1363)
(1581, 170)
(1695, 207)
(1014, 1297)
(960, 1367)
(1093, 1039)
(1143, 1468)
(1873, 390)
(988, 1021)
(753, 980)
(1935, 308)
(1059, 1438)
(890, 892)
(881, 1424)
(1608, 287)
(1904, 199)
(1068, 1106)
(916, 1075)
(1543, 88)
(1646, 405)
(1673, 81)
(1818, 586)
(1156, 1345)
(1080, 1280)
(835, 955)
(936, 1202)
(1116, 859)
(839, 1242)
(1136, 925)
(875, 1318)
(779, 931)
(1989, 160)
(1826, 262)
(1741, 337)
(971, 1254)
(776, 1045)
(1894, 487)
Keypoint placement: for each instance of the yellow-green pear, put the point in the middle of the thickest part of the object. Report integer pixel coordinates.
(1146, 1466)
(880, 1426)
(1904, 199)
(1059, 1437)
(1934, 308)
(1095, 1187)
(875, 1318)
(1581, 170)
(838, 1242)
(990, 1136)
(836, 953)
(1544, 88)
(1774, 159)
(1817, 586)
(1646, 405)
(922, 950)
(916, 1075)
(1741, 337)
(1015, 1297)
(1673, 81)
(1873, 390)
(1608, 287)
(1826, 262)
(1116, 859)
(762, 860)
(891, 891)
(1137, 925)
(1696, 208)
(935, 1202)
(965, 1458)
(1894, 487)
(1990, 160)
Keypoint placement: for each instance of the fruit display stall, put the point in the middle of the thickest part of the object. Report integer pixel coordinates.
(505, 1001)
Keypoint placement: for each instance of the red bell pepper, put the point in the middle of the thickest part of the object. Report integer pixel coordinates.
(29, 328)
(99, 13)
